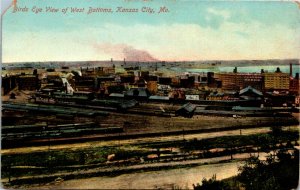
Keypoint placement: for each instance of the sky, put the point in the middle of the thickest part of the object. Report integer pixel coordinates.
(189, 31)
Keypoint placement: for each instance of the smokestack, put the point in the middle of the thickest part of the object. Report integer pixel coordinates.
(291, 70)
(66, 87)
(111, 60)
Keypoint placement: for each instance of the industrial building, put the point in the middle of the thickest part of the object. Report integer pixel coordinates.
(28, 82)
(294, 85)
(238, 81)
(276, 81)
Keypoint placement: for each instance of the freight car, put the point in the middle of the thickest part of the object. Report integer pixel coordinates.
(53, 109)
(14, 133)
(78, 96)
(23, 128)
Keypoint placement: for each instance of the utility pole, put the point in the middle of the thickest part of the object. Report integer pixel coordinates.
(119, 141)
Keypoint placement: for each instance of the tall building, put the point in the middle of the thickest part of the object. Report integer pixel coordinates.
(276, 81)
(238, 81)
(254, 80)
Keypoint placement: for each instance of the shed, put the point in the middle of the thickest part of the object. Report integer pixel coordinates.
(127, 104)
(250, 93)
(187, 110)
(138, 93)
(162, 98)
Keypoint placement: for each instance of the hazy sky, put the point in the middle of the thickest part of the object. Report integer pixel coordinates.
(192, 30)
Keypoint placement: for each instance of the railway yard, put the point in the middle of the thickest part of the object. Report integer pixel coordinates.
(50, 139)
(46, 140)
(39, 123)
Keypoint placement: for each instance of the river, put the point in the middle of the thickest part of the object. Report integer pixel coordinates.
(244, 69)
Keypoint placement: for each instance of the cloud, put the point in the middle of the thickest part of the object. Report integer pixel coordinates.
(145, 42)
(120, 51)
(194, 42)
(219, 12)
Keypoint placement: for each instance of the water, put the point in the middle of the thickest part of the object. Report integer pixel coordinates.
(246, 69)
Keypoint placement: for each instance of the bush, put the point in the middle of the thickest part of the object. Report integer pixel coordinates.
(282, 173)
(212, 184)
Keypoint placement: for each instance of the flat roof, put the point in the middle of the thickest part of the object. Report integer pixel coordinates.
(159, 98)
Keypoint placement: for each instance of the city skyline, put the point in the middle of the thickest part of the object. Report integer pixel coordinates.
(190, 31)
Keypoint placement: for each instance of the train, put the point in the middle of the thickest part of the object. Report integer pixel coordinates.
(38, 131)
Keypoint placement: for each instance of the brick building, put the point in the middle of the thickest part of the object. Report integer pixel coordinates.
(28, 82)
(276, 81)
(294, 85)
(238, 81)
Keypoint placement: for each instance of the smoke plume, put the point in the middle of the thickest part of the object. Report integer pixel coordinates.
(120, 51)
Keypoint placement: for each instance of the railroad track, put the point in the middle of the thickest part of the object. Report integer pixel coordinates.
(22, 134)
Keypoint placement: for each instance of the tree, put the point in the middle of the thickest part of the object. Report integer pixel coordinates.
(276, 130)
(212, 184)
(274, 173)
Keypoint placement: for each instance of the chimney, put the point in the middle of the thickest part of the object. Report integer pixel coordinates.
(235, 70)
(66, 87)
(297, 76)
(291, 70)
(111, 60)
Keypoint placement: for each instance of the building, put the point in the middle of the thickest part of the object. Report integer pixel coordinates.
(276, 81)
(152, 87)
(8, 84)
(238, 81)
(278, 99)
(253, 80)
(28, 82)
(192, 97)
(127, 79)
(187, 110)
(152, 78)
(209, 79)
(250, 93)
(104, 81)
(141, 83)
(177, 95)
(83, 83)
(215, 96)
(165, 80)
(176, 81)
(137, 93)
(187, 81)
(144, 75)
(99, 71)
(294, 85)
(230, 81)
